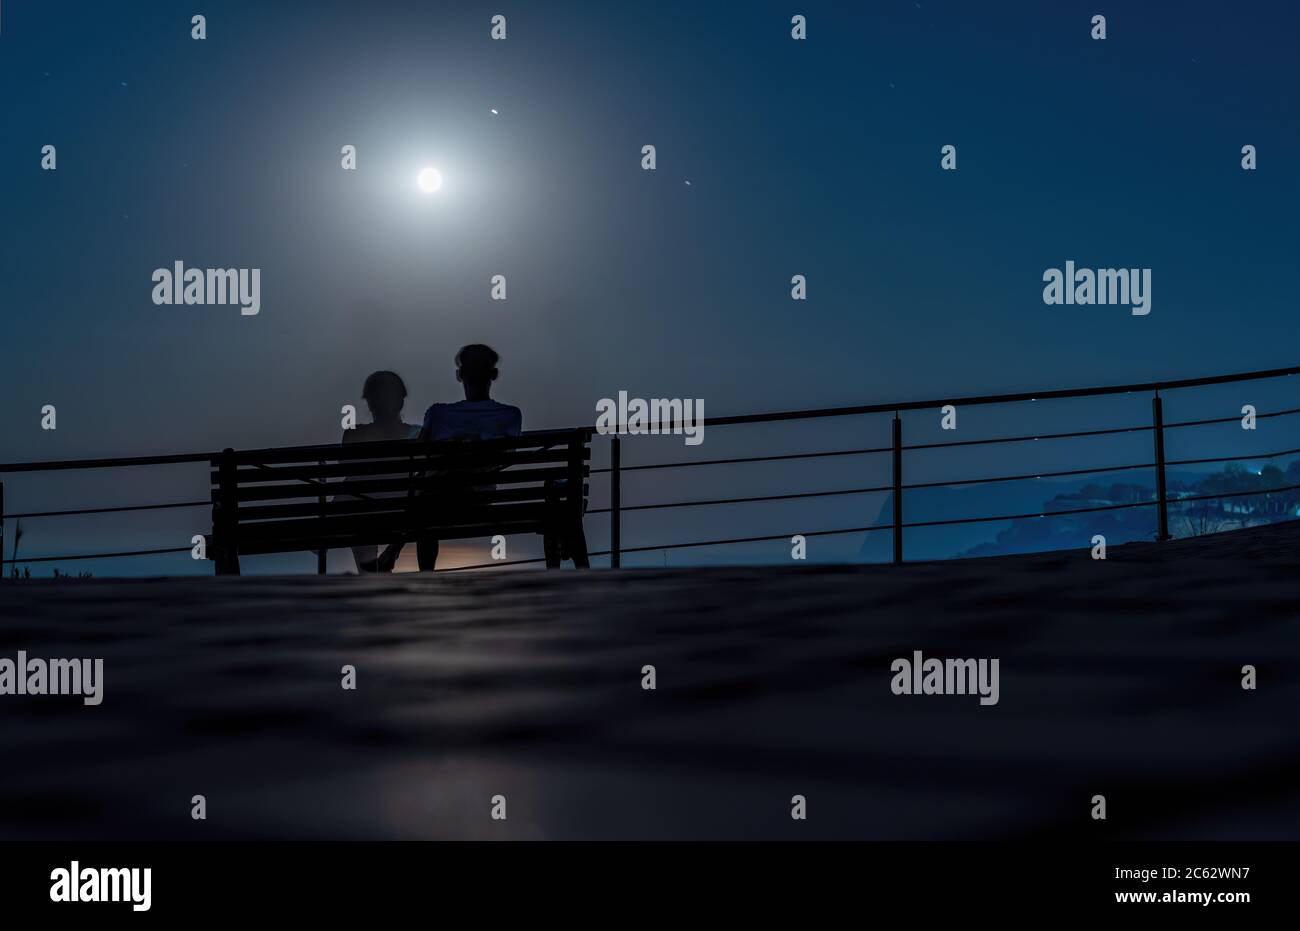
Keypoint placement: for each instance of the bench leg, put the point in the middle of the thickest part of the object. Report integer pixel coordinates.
(227, 562)
(576, 541)
(551, 547)
(426, 553)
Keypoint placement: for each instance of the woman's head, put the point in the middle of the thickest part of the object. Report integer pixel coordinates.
(385, 394)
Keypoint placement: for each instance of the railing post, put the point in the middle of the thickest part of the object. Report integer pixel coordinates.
(320, 553)
(578, 469)
(615, 504)
(225, 519)
(898, 488)
(1162, 500)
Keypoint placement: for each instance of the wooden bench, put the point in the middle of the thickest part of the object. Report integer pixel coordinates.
(322, 497)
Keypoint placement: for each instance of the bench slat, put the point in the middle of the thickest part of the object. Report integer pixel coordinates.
(446, 483)
(399, 465)
(395, 522)
(378, 505)
(345, 451)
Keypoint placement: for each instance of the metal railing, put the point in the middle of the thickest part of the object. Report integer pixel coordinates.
(896, 487)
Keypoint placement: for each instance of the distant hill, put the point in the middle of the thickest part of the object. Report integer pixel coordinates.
(1020, 497)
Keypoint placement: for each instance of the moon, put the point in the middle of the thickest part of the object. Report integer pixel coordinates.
(429, 180)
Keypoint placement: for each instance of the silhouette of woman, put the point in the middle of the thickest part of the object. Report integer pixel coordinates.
(385, 395)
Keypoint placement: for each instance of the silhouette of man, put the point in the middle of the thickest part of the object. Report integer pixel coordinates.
(385, 395)
(478, 417)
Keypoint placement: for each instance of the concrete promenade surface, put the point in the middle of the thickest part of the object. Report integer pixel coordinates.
(1120, 678)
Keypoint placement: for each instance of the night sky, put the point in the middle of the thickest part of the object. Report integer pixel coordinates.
(816, 157)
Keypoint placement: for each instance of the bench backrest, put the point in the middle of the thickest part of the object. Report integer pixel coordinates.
(321, 497)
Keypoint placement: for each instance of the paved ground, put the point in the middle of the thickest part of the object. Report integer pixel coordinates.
(1119, 678)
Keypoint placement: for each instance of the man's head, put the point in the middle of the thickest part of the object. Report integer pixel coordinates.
(384, 393)
(476, 369)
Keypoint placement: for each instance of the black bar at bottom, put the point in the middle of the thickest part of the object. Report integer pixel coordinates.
(307, 879)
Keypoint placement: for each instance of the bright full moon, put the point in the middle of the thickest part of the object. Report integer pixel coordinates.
(429, 180)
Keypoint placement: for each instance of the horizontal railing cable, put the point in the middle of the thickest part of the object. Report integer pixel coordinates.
(944, 484)
(986, 441)
(60, 465)
(1236, 458)
(771, 417)
(27, 559)
(1236, 418)
(1027, 438)
(757, 539)
(1183, 499)
(873, 489)
(776, 458)
(1033, 475)
(786, 497)
(112, 510)
(1002, 398)
(769, 537)
(674, 504)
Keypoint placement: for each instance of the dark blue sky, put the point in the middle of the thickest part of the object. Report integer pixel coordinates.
(818, 157)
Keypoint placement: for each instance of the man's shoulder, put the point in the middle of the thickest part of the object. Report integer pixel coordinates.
(490, 406)
(438, 408)
(513, 414)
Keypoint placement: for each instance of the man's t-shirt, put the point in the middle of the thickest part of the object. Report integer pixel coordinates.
(472, 420)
